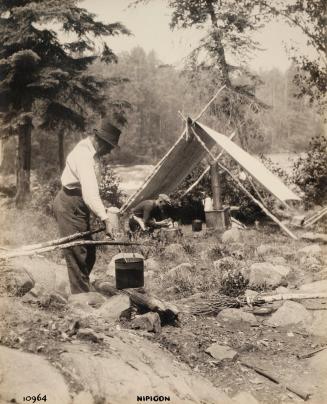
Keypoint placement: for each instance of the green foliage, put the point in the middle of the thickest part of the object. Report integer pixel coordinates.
(45, 80)
(44, 195)
(109, 187)
(310, 172)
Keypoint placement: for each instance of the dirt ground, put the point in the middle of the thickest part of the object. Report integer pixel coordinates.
(45, 327)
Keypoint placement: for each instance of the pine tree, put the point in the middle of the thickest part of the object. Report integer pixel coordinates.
(43, 81)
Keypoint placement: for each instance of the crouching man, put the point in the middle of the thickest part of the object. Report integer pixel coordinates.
(79, 196)
(149, 214)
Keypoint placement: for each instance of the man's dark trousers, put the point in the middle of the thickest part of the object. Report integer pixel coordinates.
(73, 216)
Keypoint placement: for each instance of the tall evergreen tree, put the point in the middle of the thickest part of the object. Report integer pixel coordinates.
(44, 81)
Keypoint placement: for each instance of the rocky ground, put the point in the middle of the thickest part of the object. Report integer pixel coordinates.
(79, 349)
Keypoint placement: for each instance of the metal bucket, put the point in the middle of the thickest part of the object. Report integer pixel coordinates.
(129, 273)
(196, 225)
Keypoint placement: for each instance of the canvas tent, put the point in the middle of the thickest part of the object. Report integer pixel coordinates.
(188, 151)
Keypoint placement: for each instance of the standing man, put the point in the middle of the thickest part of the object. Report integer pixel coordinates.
(79, 196)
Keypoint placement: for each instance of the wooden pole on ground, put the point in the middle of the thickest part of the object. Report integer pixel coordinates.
(20, 253)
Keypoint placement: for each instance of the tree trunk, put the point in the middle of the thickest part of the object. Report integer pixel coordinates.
(61, 153)
(23, 169)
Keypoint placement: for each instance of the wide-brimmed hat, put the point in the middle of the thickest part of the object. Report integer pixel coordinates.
(108, 132)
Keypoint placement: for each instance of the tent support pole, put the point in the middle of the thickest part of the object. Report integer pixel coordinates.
(274, 218)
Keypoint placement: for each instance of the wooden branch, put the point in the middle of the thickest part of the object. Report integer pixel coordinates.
(168, 312)
(315, 218)
(158, 166)
(287, 296)
(311, 353)
(296, 390)
(274, 218)
(207, 169)
(20, 253)
(61, 240)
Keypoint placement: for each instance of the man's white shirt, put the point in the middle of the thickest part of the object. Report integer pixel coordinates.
(81, 172)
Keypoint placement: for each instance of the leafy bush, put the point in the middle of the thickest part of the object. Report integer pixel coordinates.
(109, 187)
(44, 195)
(310, 172)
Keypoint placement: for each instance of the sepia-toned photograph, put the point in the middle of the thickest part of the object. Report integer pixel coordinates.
(163, 201)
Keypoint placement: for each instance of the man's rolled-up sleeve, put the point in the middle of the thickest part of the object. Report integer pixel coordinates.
(90, 187)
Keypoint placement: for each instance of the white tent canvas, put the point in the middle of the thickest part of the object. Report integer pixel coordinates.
(187, 152)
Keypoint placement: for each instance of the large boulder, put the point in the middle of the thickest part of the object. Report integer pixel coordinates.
(318, 326)
(245, 398)
(134, 367)
(315, 287)
(221, 352)
(180, 270)
(46, 274)
(24, 374)
(17, 281)
(86, 300)
(113, 308)
(232, 235)
(265, 273)
(265, 250)
(310, 250)
(290, 313)
(236, 315)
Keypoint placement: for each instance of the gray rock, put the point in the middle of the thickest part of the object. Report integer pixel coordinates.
(41, 270)
(315, 287)
(318, 370)
(317, 237)
(276, 260)
(149, 322)
(281, 290)
(132, 362)
(113, 307)
(283, 270)
(266, 249)
(236, 315)
(83, 300)
(88, 334)
(180, 270)
(265, 273)
(26, 374)
(318, 326)
(313, 249)
(232, 236)
(152, 265)
(83, 397)
(290, 313)
(221, 352)
(18, 281)
(245, 398)
(250, 293)
(175, 253)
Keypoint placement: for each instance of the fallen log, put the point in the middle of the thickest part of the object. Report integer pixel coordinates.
(296, 390)
(168, 312)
